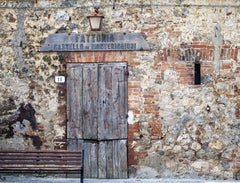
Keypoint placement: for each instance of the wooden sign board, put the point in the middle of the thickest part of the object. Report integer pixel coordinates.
(95, 42)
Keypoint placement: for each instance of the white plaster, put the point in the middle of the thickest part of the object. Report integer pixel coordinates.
(238, 56)
(61, 15)
(75, 31)
(170, 74)
(130, 117)
(43, 3)
(229, 23)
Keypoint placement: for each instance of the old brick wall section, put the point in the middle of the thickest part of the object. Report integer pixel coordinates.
(182, 60)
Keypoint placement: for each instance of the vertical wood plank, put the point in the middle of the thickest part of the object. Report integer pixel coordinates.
(105, 95)
(94, 160)
(87, 160)
(74, 101)
(115, 102)
(101, 103)
(119, 107)
(116, 165)
(122, 156)
(102, 160)
(109, 157)
(70, 89)
(123, 102)
(90, 101)
(91, 159)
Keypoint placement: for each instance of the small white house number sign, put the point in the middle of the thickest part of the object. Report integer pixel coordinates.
(60, 79)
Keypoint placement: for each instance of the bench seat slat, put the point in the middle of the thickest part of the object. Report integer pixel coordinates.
(40, 159)
(16, 166)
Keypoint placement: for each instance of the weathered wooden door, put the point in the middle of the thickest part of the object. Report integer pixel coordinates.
(96, 117)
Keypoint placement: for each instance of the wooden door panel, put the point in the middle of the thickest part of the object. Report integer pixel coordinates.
(119, 101)
(105, 111)
(112, 159)
(74, 98)
(90, 155)
(112, 122)
(91, 159)
(90, 101)
(123, 159)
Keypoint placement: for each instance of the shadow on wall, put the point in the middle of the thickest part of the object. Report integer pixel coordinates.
(20, 120)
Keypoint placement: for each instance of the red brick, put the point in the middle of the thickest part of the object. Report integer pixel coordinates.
(227, 65)
(155, 129)
(132, 158)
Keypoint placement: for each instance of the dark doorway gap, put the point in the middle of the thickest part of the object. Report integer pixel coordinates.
(197, 74)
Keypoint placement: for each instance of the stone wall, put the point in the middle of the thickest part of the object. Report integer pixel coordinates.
(176, 128)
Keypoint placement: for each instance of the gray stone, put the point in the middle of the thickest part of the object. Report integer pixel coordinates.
(184, 118)
(196, 146)
(61, 15)
(222, 99)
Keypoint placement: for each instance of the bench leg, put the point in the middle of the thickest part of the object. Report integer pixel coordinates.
(81, 179)
(82, 170)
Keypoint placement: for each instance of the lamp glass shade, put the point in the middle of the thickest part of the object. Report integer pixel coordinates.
(95, 22)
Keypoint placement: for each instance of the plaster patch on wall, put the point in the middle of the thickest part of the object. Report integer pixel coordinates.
(217, 39)
(130, 117)
(43, 3)
(61, 15)
(59, 131)
(163, 39)
(229, 23)
(170, 75)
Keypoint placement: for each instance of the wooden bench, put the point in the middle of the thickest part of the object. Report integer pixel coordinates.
(42, 161)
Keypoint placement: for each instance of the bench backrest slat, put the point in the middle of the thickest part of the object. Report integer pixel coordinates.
(40, 159)
(41, 163)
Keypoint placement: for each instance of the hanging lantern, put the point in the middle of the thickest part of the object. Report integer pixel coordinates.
(95, 20)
